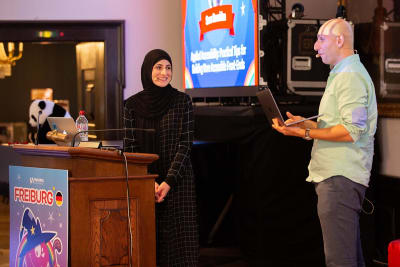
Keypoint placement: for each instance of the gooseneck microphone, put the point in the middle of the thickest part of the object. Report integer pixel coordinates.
(38, 128)
(109, 130)
(317, 55)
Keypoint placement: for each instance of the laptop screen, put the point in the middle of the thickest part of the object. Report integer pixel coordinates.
(64, 125)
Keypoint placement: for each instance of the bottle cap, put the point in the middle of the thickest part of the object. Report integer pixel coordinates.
(82, 112)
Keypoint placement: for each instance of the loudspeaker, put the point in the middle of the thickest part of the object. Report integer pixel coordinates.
(306, 74)
(389, 60)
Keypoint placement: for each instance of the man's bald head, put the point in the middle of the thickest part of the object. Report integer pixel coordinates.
(341, 28)
(334, 41)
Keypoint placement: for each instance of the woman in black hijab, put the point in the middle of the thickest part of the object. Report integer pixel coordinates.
(163, 108)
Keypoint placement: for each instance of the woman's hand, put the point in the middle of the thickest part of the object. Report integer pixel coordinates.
(156, 186)
(162, 191)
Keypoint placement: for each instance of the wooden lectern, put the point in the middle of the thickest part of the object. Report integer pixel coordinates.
(98, 225)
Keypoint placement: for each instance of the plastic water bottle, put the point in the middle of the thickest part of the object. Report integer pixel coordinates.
(82, 125)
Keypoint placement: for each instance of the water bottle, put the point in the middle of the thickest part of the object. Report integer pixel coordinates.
(82, 125)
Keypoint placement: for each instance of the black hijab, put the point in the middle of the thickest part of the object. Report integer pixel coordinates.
(153, 101)
(148, 107)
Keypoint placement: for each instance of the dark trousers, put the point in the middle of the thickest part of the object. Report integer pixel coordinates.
(339, 206)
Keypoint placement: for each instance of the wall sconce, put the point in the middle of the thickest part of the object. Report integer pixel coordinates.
(6, 61)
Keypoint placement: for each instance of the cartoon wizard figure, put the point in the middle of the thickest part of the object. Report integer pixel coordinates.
(36, 248)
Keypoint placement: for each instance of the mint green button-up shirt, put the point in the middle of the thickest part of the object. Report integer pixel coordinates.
(349, 99)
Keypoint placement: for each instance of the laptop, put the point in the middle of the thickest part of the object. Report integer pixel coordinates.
(271, 109)
(64, 125)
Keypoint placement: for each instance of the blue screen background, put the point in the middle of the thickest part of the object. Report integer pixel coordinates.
(244, 34)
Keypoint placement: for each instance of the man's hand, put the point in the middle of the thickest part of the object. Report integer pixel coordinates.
(162, 191)
(293, 130)
(293, 118)
(337, 133)
(304, 125)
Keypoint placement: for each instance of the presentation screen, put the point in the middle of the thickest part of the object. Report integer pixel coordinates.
(220, 43)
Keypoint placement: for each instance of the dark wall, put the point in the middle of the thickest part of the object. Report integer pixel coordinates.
(41, 66)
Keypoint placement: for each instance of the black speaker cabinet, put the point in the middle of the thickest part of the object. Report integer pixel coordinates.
(389, 60)
(306, 74)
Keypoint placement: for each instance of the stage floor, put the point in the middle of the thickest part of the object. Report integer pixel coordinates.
(210, 256)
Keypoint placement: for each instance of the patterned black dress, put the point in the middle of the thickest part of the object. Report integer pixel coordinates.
(176, 217)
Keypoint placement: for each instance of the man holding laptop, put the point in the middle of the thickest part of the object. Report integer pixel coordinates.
(343, 147)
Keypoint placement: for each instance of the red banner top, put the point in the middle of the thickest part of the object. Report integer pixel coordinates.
(219, 17)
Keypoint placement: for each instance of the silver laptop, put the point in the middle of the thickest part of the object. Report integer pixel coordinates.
(66, 126)
(271, 109)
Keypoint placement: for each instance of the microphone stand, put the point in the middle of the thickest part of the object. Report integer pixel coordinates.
(38, 128)
(109, 130)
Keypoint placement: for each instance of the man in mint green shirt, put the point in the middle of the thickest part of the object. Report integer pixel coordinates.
(343, 148)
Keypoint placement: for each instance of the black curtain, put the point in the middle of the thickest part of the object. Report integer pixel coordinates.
(274, 208)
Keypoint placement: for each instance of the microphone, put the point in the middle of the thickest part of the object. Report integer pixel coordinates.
(317, 55)
(38, 128)
(109, 130)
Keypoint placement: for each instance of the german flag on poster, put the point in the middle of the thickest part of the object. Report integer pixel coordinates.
(59, 199)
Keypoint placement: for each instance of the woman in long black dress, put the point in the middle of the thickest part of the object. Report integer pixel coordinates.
(163, 108)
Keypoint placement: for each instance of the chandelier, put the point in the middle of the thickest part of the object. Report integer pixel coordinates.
(8, 60)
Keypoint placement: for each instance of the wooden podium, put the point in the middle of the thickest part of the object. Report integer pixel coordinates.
(98, 221)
